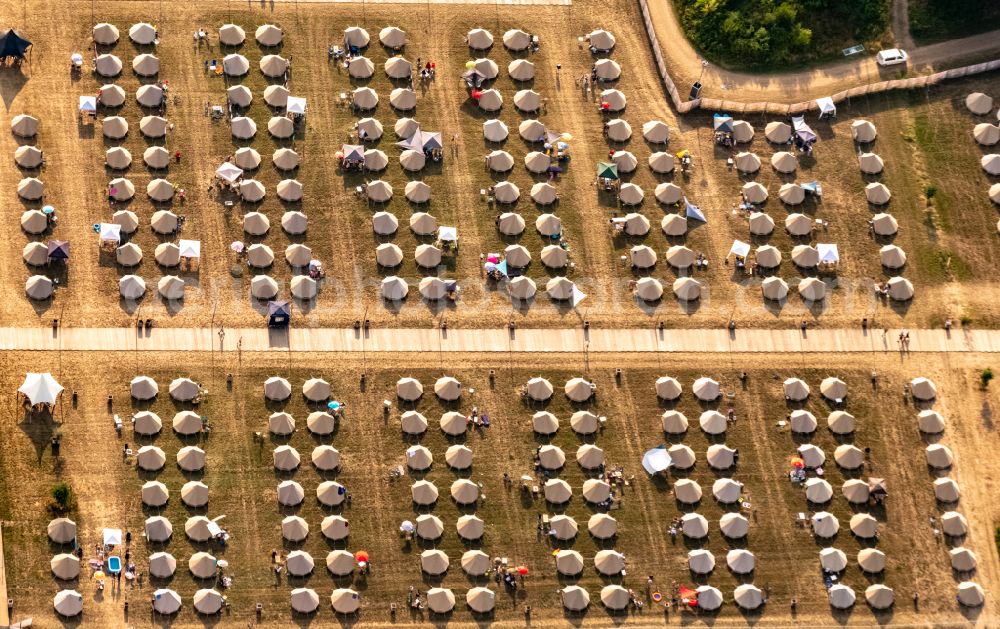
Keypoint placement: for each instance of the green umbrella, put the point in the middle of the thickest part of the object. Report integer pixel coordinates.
(606, 170)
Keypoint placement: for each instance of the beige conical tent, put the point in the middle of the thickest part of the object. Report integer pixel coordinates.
(235, 65)
(680, 257)
(548, 224)
(870, 163)
(194, 494)
(111, 95)
(962, 559)
(330, 493)
(325, 457)
(454, 423)
(743, 131)
(231, 35)
(260, 256)
(544, 423)
(522, 288)
(510, 224)
(727, 491)
(832, 559)
(156, 157)
(340, 562)
(335, 527)
(30, 189)
(208, 602)
(295, 222)
(642, 257)
(748, 596)
(849, 457)
(243, 128)
(614, 99)
(609, 562)
(160, 190)
(563, 526)
(841, 423)
(805, 256)
(394, 288)
(105, 34)
(25, 126)
(297, 254)
(424, 492)
(655, 132)
(65, 566)
(740, 561)
(490, 100)
(146, 65)
(388, 255)
(153, 126)
(154, 494)
(285, 458)
(812, 455)
(429, 527)
(146, 423)
(687, 491)
(487, 68)
(615, 597)
(434, 562)
(618, 130)
(892, 257)
(170, 287)
(196, 528)
(116, 158)
(970, 594)
(356, 36)
(191, 458)
(877, 193)
(203, 565)
(589, 456)
(263, 287)
(360, 67)
(557, 491)
(649, 289)
(784, 162)
(68, 603)
(747, 162)
(720, 456)
(986, 134)
(930, 422)
(923, 389)
(158, 528)
(320, 423)
(554, 257)
(275, 66)
(516, 39)
(392, 37)
(294, 528)
(686, 289)
(280, 127)
(812, 289)
(35, 253)
(803, 421)
(818, 491)
(479, 39)
(108, 65)
(879, 596)
(283, 159)
(127, 220)
(255, 223)
(584, 422)
(277, 95)
(30, 157)
(774, 289)
(121, 189)
(574, 598)
(824, 524)
(939, 456)
(427, 256)
(979, 103)
(768, 257)
(841, 596)
(706, 389)
(458, 456)
(602, 526)
(579, 390)
(990, 163)
(637, 225)
(280, 423)
(864, 526)
(440, 600)
(142, 33)
(568, 562)
(560, 288)
(607, 70)
(761, 225)
(713, 422)
(521, 70)
(871, 560)
(792, 193)
(403, 98)
(900, 289)
(795, 389)
(595, 491)
(662, 162)
(863, 131)
(303, 600)
(495, 130)
(798, 224)
(538, 162)
(480, 599)
(62, 530)
(418, 191)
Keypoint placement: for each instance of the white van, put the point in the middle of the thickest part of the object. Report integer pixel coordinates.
(891, 57)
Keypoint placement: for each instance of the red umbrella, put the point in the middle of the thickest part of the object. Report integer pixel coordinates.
(522, 570)
(361, 555)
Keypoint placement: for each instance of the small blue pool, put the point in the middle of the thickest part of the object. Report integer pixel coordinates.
(114, 564)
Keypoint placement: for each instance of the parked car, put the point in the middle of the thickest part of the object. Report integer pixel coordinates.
(891, 57)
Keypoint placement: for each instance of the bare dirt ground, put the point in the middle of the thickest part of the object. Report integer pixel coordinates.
(925, 140)
(242, 484)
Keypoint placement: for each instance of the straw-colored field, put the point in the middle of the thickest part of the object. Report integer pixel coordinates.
(242, 483)
(924, 137)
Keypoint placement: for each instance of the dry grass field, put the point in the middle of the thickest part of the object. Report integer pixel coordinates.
(924, 137)
(242, 484)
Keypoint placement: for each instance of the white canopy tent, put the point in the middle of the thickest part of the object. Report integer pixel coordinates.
(40, 388)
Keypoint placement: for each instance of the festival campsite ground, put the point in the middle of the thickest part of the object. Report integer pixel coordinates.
(924, 138)
(242, 481)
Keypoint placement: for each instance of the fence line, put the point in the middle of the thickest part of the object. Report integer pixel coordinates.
(686, 106)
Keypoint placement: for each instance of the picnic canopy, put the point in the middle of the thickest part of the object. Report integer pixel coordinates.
(40, 388)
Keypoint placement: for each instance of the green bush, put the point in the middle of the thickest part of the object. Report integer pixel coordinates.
(985, 376)
(774, 33)
(62, 496)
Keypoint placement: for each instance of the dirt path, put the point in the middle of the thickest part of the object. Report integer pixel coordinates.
(685, 64)
(901, 24)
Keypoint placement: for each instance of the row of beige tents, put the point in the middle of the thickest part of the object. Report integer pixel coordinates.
(559, 289)
(987, 135)
(152, 126)
(34, 222)
(946, 491)
(144, 65)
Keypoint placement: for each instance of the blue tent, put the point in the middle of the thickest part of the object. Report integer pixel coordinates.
(656, 460)
(279, 314)
(693, 211)
(13, 45)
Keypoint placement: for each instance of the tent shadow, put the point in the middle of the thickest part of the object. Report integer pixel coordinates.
(12, 81)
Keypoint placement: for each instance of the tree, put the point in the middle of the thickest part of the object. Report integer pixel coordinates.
(62, 496)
